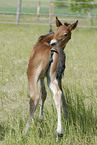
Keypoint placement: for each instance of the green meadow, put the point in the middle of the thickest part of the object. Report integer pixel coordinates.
(79, 85)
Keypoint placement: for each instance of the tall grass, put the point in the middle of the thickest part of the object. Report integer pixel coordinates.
(79, 85)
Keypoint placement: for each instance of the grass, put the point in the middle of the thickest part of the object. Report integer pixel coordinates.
(79, 84)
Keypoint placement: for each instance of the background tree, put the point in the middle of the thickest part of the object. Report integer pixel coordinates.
(80, 5)
(83, 6)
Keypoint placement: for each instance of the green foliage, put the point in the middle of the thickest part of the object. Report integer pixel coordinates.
(79, 85)
(81, 6)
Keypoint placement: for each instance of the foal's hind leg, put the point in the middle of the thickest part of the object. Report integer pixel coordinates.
(58, 102)
(34, 97)
(43, 95)
(63, 100)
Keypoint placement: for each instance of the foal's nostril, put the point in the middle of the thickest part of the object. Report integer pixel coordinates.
(53, 44)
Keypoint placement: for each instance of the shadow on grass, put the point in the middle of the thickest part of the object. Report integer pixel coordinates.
(2, 131)
(83, 118)
(6, 129)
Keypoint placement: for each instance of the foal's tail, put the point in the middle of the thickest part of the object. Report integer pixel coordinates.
(60, 64)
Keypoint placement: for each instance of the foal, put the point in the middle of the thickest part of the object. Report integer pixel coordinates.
(48, 60)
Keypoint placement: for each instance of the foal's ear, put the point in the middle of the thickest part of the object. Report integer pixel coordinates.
(58, 23)
(73, 26)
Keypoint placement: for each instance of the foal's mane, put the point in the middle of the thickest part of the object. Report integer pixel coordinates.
(46, 38)
(45, 35)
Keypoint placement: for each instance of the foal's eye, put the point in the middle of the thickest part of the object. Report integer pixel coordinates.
(65, 35)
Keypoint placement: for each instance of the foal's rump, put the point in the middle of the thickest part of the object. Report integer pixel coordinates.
(39, 61)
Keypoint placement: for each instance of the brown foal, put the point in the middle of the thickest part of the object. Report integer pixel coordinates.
(48, 60)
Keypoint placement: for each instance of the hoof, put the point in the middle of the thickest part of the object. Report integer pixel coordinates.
(59, 136)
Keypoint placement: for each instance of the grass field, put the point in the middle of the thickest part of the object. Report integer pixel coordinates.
(79, 85)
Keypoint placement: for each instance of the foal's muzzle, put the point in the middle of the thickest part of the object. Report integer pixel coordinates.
(53, 42)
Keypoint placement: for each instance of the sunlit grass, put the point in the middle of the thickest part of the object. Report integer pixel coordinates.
(79, 85)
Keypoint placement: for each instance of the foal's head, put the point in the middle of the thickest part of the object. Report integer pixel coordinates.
(63, 33)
